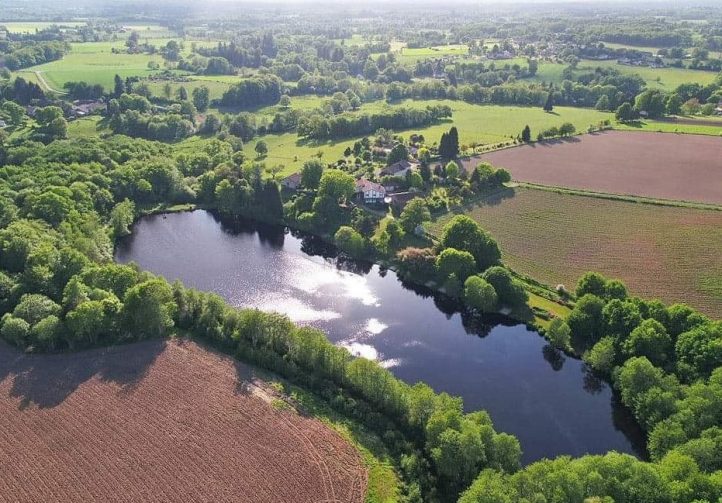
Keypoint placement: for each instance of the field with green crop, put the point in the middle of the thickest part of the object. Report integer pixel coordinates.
(671, 253)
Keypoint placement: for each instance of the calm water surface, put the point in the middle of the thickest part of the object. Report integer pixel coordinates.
(549, 401)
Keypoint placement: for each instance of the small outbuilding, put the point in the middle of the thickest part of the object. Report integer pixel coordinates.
(292, 182)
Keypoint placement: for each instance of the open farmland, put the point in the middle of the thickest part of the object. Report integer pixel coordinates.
(480, 124)
(93, 63)
(655, 165)
(160, 421)
(671, 253)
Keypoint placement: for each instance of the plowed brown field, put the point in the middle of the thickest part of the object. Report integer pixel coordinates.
(656, 165)
(159, 421)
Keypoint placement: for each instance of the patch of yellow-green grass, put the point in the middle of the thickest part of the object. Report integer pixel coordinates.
(491, 124)
(85, 127)
(408, 55)
(33, 26)
(480, 124)
(558, 310)
(665, 252)
(673, 127)
(96, 66)
(611, 45)
(286, 149)
(666, 79)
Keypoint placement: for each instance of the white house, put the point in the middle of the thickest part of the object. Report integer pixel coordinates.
(370, 192)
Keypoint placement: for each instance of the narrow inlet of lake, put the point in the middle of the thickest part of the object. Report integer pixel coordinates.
(551, 402)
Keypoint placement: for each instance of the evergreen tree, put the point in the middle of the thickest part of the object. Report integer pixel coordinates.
(119, 86)
(444, 146)
(549, 105)
(454, 141)
(526, 134)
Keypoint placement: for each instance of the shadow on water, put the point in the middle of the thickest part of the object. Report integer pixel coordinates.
(46, 381)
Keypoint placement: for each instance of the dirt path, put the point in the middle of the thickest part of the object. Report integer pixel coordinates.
(44, 83)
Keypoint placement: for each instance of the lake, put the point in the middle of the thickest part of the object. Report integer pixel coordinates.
(551, 402)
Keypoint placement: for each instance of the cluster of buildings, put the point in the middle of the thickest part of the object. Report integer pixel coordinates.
(77, 110)
(369, 192)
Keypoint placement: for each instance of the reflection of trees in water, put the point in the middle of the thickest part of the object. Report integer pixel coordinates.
(268, 234)
(624, 421)
(593, 384)
(554, 357)
(348, 264)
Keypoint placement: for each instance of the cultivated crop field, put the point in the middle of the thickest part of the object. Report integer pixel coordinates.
(670, 253)
(160, 421)
(655, 165)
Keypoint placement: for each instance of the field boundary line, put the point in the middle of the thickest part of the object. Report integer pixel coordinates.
(620, 197)
(45, 84)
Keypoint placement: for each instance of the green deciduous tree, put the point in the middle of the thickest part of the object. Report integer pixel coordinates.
(415, 213)
(479, 294)
(464, 234)
(460, 263)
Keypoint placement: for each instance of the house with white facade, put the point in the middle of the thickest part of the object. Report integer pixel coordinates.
(370, 192)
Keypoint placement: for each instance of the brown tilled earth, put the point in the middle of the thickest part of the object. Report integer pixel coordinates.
(159, 421)
(656, 165)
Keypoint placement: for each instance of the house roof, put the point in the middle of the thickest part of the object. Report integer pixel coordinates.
(293, 178)
(397, 167)
(363, 185)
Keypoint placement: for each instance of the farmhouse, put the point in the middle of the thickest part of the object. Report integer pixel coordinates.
(399, 168)
(82, 108)
(370, 192)
(292, 182)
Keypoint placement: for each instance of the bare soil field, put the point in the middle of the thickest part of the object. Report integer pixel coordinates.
(160, 421)
(665, 252)
(655, 165)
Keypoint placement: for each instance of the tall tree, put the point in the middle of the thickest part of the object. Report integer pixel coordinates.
(119, 86)
(526, 134)
(549, 104)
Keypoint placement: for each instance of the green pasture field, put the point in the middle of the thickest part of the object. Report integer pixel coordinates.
(671, 127)
(32, 26)
(479, 124)
(665, 79)
(408, 55)
(95, 64)
(662, 252)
